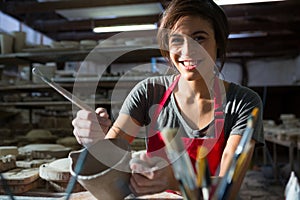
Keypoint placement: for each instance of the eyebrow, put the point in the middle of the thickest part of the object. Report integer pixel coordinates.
(175, 35)
(193, 34)
(200, 32)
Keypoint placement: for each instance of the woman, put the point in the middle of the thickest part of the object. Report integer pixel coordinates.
(192, 35)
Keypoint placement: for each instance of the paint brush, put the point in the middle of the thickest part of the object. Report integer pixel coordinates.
(239, 157)
(203, 173)
(181, 163)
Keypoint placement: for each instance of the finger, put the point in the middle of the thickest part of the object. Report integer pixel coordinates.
(90, 120)
(141, 185)
(85, 141)
(142, 157)
(146, 158)
(138, 161)
(133, 186)
(143, 164)
(87, 133)
(86, 129)
(156, 162)
(85, 124)
(145, 171)
(136, 154)
(102, 112)
(104, 121)
(87, 115)
(76, 135)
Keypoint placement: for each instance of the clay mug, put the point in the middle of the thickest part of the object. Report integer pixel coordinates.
(105, 171)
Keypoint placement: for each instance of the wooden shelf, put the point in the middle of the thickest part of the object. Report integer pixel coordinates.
(53, 103)
(118, 54)
(103, 82)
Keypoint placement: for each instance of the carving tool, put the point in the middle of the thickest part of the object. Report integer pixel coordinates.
(62, 91)
(81, 105)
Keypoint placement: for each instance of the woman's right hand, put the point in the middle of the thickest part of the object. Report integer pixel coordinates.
(89, 126)
(150, 174)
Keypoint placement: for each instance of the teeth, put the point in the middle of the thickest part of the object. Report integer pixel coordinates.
(190, 63)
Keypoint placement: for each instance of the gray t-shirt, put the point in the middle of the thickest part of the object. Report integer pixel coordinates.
(146, 95)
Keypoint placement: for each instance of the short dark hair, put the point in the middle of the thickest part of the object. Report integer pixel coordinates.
(208, 10)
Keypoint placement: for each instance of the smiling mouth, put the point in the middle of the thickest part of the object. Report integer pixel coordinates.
(190, 64)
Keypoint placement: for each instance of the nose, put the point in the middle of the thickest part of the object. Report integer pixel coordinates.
(189, 48)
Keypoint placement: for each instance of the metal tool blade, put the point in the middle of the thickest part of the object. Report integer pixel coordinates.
(75, 100)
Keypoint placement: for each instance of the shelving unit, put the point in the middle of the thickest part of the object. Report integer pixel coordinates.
(126, 55)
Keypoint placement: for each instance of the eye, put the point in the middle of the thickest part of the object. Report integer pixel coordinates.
(199, 38)
(176, 40)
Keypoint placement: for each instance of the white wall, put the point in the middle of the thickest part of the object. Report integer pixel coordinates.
(274, 72)
(232, 72)
(266, 72)
(9, 24)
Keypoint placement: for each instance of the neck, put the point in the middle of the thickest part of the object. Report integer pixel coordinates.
(199, 89)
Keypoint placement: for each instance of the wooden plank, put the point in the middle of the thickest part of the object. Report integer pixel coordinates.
(65, 25)
(30, 7)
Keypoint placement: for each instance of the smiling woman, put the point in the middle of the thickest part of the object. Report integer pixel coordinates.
(205, 110)
(214, 16)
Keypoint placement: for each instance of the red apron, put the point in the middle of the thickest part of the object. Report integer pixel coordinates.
(215, 145)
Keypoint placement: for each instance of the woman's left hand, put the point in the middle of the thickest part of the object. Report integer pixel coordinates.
(150, 175)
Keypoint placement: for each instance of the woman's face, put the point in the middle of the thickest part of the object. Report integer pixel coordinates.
(193, 47)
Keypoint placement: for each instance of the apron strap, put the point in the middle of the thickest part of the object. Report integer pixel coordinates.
(167, 94)
(163, 101)
(217, 96)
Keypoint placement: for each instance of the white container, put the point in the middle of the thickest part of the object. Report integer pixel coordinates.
(6, 42)
(19, 41)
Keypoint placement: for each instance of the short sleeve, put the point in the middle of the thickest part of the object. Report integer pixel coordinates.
(240, 104)
(136, 102)
(144, 96)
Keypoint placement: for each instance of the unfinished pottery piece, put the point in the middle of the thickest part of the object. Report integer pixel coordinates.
(20, 180)
(105, 172)
(37, 135)
(19, 176)
(35, 163)
(45, 151)
(7, 162)
(57, 174)
(8, 150)
(57, 170)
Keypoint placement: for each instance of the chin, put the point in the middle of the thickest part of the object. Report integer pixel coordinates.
(190, 77)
